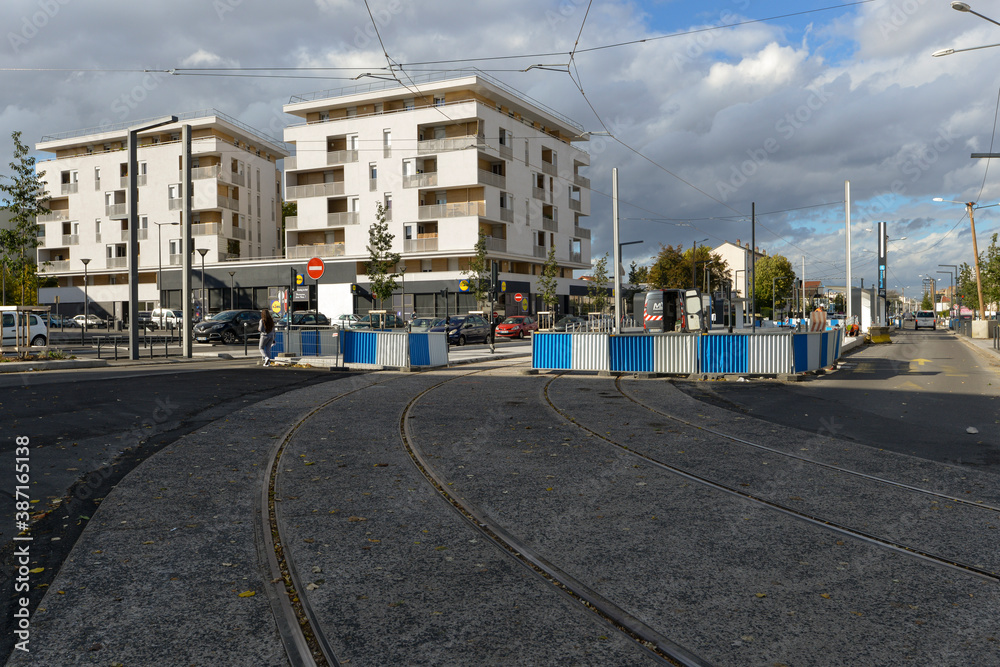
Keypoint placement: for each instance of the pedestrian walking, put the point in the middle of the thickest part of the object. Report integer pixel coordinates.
(266, 329)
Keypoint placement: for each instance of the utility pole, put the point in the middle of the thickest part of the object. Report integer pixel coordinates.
(753, 266)
(803, 287)
(975, 252)
(614, 230)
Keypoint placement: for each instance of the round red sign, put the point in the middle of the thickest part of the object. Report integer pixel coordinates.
(315, 268)
(518, 297)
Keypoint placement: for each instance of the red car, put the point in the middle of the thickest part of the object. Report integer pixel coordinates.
(517, 326)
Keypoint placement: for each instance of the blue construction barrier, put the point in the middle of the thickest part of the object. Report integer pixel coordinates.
(815, 350)
(394, 348)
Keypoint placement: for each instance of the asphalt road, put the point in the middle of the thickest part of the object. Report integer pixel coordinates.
(916, 396)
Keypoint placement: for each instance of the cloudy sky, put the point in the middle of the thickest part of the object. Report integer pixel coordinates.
(714, 105)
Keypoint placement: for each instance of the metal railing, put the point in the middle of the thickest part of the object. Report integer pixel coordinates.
(116, 210)
(53, 216)
(117, 262)
(549, 168)
(56, 265)
(420, 180)
(457, 210)
(451, 144)
(211, 171)
(582, 181)
(372, 184)
(550, 224)
(539, 251)
(318, 250)
(206, 229)
(341, 219)
(506, 152)
(489, 178)
(237, 179)
(506, 215)
(582, 232)
(496, 245)
(69, 188)
(538, 193)
(341, 157)
(420, 245)
(70, 239)
(315, 190)
(175, 204)
(575, 205)
(239, 233)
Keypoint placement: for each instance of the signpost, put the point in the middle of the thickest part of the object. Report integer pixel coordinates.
(315, 268)
(518, 297)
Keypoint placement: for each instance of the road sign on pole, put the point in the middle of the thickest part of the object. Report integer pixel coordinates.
(518, 297)
(315, 268)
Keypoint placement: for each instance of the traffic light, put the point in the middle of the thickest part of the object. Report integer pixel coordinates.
(495, 278)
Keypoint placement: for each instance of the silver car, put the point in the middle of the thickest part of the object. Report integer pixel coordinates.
(924, 318)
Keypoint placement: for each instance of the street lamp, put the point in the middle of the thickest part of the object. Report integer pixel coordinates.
(159, 260)
(964, 7)
(694, 263)
(402, 287)
(970, 207)
(232, 288)
(204, 301)
(86, 299)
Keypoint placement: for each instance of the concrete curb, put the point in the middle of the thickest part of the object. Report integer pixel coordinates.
(52, 364)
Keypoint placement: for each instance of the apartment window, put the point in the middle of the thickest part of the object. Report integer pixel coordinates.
(354, 205)
(505, 200)
(352, 142)
(175, 247)
(425, 266)
(378, 107)
(143, 222)
(258, 205)
(97, 230)
(409, 104)
(439, 101)
(372, 171)
(324, 115)
(174, 191)
(97, 176)
(503, 137)
(386, 143)
(352, 112)
(258, 188)
(408, 232)
(388, 201)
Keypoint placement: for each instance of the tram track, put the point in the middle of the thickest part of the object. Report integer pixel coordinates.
(824, 523)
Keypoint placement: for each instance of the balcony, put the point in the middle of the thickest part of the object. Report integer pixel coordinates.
(97, 237)
(538, 193)
(581, 232)
(239, 233)
(228, 202)
(315, 190)
(489, 178)
(506, 152)
(496, 245)
(443, 145)
(292, 222)
(291, 163)
(69, 188)
(70, 239)
(140, 180)
(124, 235)
(175, 260)
(372, 184)
(117, 263)
(53, 216)
(427, 243)
(341, 219)
(582, 181)
(207, 229)
(575, 257)
(54, 266)
(97, 185)
(237, 178)
(506, 215)
(549, 168)
(341, 157)
(388, 214)
(451, 210)
(550, 224)
(420, 180)
(575, 205)
(200, 173)
(319, 250)
(116, 211)
(175, 204)
(539, 251)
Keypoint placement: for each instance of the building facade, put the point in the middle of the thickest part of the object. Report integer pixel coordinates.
(236, 208)
(448, 160)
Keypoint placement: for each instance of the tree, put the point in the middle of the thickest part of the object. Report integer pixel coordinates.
(773, 279)
(597, 288)
(927, 303)
(479, 272)
(636, 275)
(668, 269)
(673, 269)
(547, 283)
(25, 197)
(967, 295)
(381, 267)
(989, 268)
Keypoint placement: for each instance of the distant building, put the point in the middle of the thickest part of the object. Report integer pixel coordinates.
(738, 258)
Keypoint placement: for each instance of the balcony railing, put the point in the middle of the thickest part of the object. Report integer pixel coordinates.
(319, 250)
(388, 214)
(496, 245)
(292, 222)
(69, 188)
(506, 215)
(451, 144)
(489, 178)
(451, 210)
(57, 265)
(70, 239)
(340, 219)
(97, 184)
(581, 232)
(582, 181)
(539, 251)
(123, 234)
(116, 210)
(207, 229)
(575, 257)
(117, 263)
(341, 157)
(53, 216)
(372, 184)
(143, 234)
(237, 179)
(97, 237)
(387, 151)
(421, 245)
(140, 180)
(550, 224)
(175, 204)
(228, 202)
(538, 193)
(291, 162)
(315, 190)
(549, 168)
(420, 180)
(574, 205)
(212, 171)
(239, 233)
(505, 152)
(175, 260)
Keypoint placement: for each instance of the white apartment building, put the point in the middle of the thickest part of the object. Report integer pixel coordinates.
(236, 207)
(448, 159)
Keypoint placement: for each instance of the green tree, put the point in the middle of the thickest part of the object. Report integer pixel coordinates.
(989, 268)
(597, 287)
(927, 303)
(669, 269)
(381, 266)
(773, 279)
(25, 199)
(636, 275)
(479, 272)
(548, 282)
(674, 269)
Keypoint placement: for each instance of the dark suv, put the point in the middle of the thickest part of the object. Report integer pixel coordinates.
(228, 327)
(464, 329)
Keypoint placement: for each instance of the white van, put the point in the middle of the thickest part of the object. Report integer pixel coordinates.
(166, 318)
(38, 333)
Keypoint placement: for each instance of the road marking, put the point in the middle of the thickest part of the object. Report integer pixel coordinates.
(910, 385)
(921, 362)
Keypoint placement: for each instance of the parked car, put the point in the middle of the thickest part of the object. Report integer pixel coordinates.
(387, 321)
(90, 320)
(422, 324)
(517, 326)
(145, 319)
(346, 321)
(228, 327)
(464, 329)
(14, 325)
(306, 318)
(924, 318)
(62, 321)
(166, 318)
(568, 323)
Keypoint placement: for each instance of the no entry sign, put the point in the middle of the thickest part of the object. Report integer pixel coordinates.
(518, 297)
(315, 268)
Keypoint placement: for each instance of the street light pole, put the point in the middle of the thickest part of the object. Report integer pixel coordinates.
(232, 288)
(204, 301)
(402, 288)
(694, 263)
(970, 207)
(86, 296)
(159, 261)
